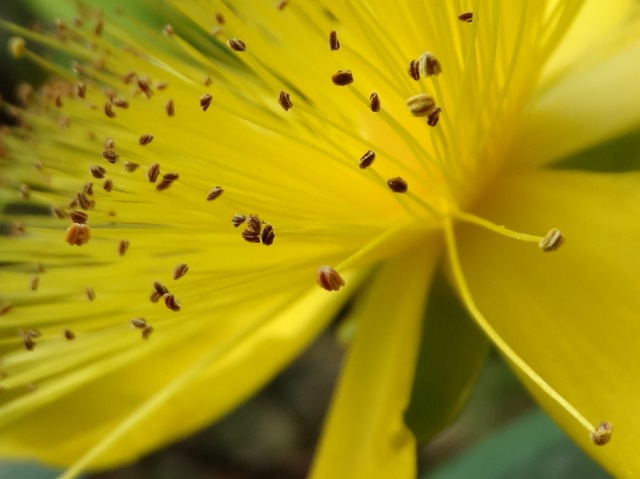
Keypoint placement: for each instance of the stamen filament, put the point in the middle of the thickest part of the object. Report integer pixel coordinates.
(502, 230)
(494, 336)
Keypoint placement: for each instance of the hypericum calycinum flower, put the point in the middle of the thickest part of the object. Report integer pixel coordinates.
(173, 199)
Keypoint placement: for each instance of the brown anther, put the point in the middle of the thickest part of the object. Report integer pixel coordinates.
(81, 89)
(84, 201)
(74, 202)
(251, 236)
(129, 77)
(58, 212)
(130, 166)
(139, 323)
(146, 332)
(77, 234)
(429, 64)
(329, 279)
(171, 176)
(58, 101)
(88, 189)
(68, 334)
(238, 219)
(434, 117)
(367, 159)
(153, 172)
(145, 139)
(414, 70)
(205, 101)
(78, 217)
(109, 143)
(123, 246)
(219, 18)
(160, 288)
(397, 185)
(214, 193)
(254, 223)
(171, 302)
(99, 27)
(144, 87)
(421, 104)
(342, 78)
(551, 241)
(108, 110)
(281, 5)
(268, 235)
(334, 43)
(180, 270)
(34, 282)
(236, 45)
(97, 172)
(374, 102)
(5, 308)
(155, 297)
(466, 17)
(120, 103)
(601, 435)
(207, 81)
(25, 192)
(285, 100)
(107, 185)
(169, 108)
(110, 155)
(162, 85)
(29, 343)
(163, 185)
(17, 46)
(39, 268)
(91, 294)
(168, 30)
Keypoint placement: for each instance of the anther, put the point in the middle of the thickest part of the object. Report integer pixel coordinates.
(171, 176)
(58, 101)
(421, 104)
(254, 223)
(238, 219)
(601, 435)
(28, 342)
(68, 334)
(108, 110)
(167, 30)
(171, 302)
(146, 332)
(97, 172)
(84, 202)
(180, 270)
(434, 117)
(145, 139)
(58, 212)
(107, 185)
(163, 185)
(169, 108)
(129, 77)
(251, 236)
(160, 288)
(109, 143)
(236, 45)
(153, 172)
(551, 241)
(5, 308)
(78, 217)
(162, 85)
(34, 282)
(214, 193)
(285, 100)
(17, 46)
(110, 155)
(99, 27)
(429, 64)
(80, 89)
(77, 234)
(91, 294)
(466, 17)
(374, 102)
(88, 189)
(130, 166)
(342, 78)
(367, 159)
(334, 43)
(268, 235)
(205, 101)
(219, 18)
(155, 297)
(282, 4)
(414, 70)
(123, 246)
(120, 103)
(25, 192)
(329, 279)
(397, 185)
(139, 323)
(144, 87)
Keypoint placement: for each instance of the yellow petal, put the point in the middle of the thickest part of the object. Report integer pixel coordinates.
(594, 100)
(572, 315)
(365, 435)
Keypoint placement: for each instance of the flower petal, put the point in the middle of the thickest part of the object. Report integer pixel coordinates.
(571, 314)
(365, 435)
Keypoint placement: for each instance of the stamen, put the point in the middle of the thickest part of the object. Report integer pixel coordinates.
(91, 294)
(160, 288)
(285, 100)
(144, 86)
(397, 185)
(268, 235)
(68, 334)
(180, 270)
(282, 4)
(153, 172)
(78, 216)
(5, 308)
(367, 159)
(77, 234)
(97, 172)
(421, 104)
(342, 78)
(58, 212)
(146, 332)
(429, 64)
(551, 241)
(414, 70)
(109, 143)
(334, 43)
(476, 220)
(167, 181)
(145, 139)
(123, 246)
(129, 77)
(601, 435)
(374, 102)
(169, 108)
(238, 219)
(108, 110)
(107, 185)
(110, 155)
(236, 44)
(434, 117)
(171, 302)
(215, 193)
(219, 18)
(329, 279)
(252, 230)
(205, 101)
(81, 89)
(120, 103)
(466, 17)
(139, 323)
(87, 189)
(34, 282)
(130, 166)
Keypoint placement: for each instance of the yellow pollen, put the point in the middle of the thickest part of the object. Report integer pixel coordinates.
(421, 104)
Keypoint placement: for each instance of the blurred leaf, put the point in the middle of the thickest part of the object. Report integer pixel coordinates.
(532, 448)
(451, 355)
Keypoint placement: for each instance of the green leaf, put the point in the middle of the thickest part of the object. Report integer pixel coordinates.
(451, 354)
(532, 448)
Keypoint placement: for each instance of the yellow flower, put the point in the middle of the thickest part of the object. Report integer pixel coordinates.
(344, 152)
